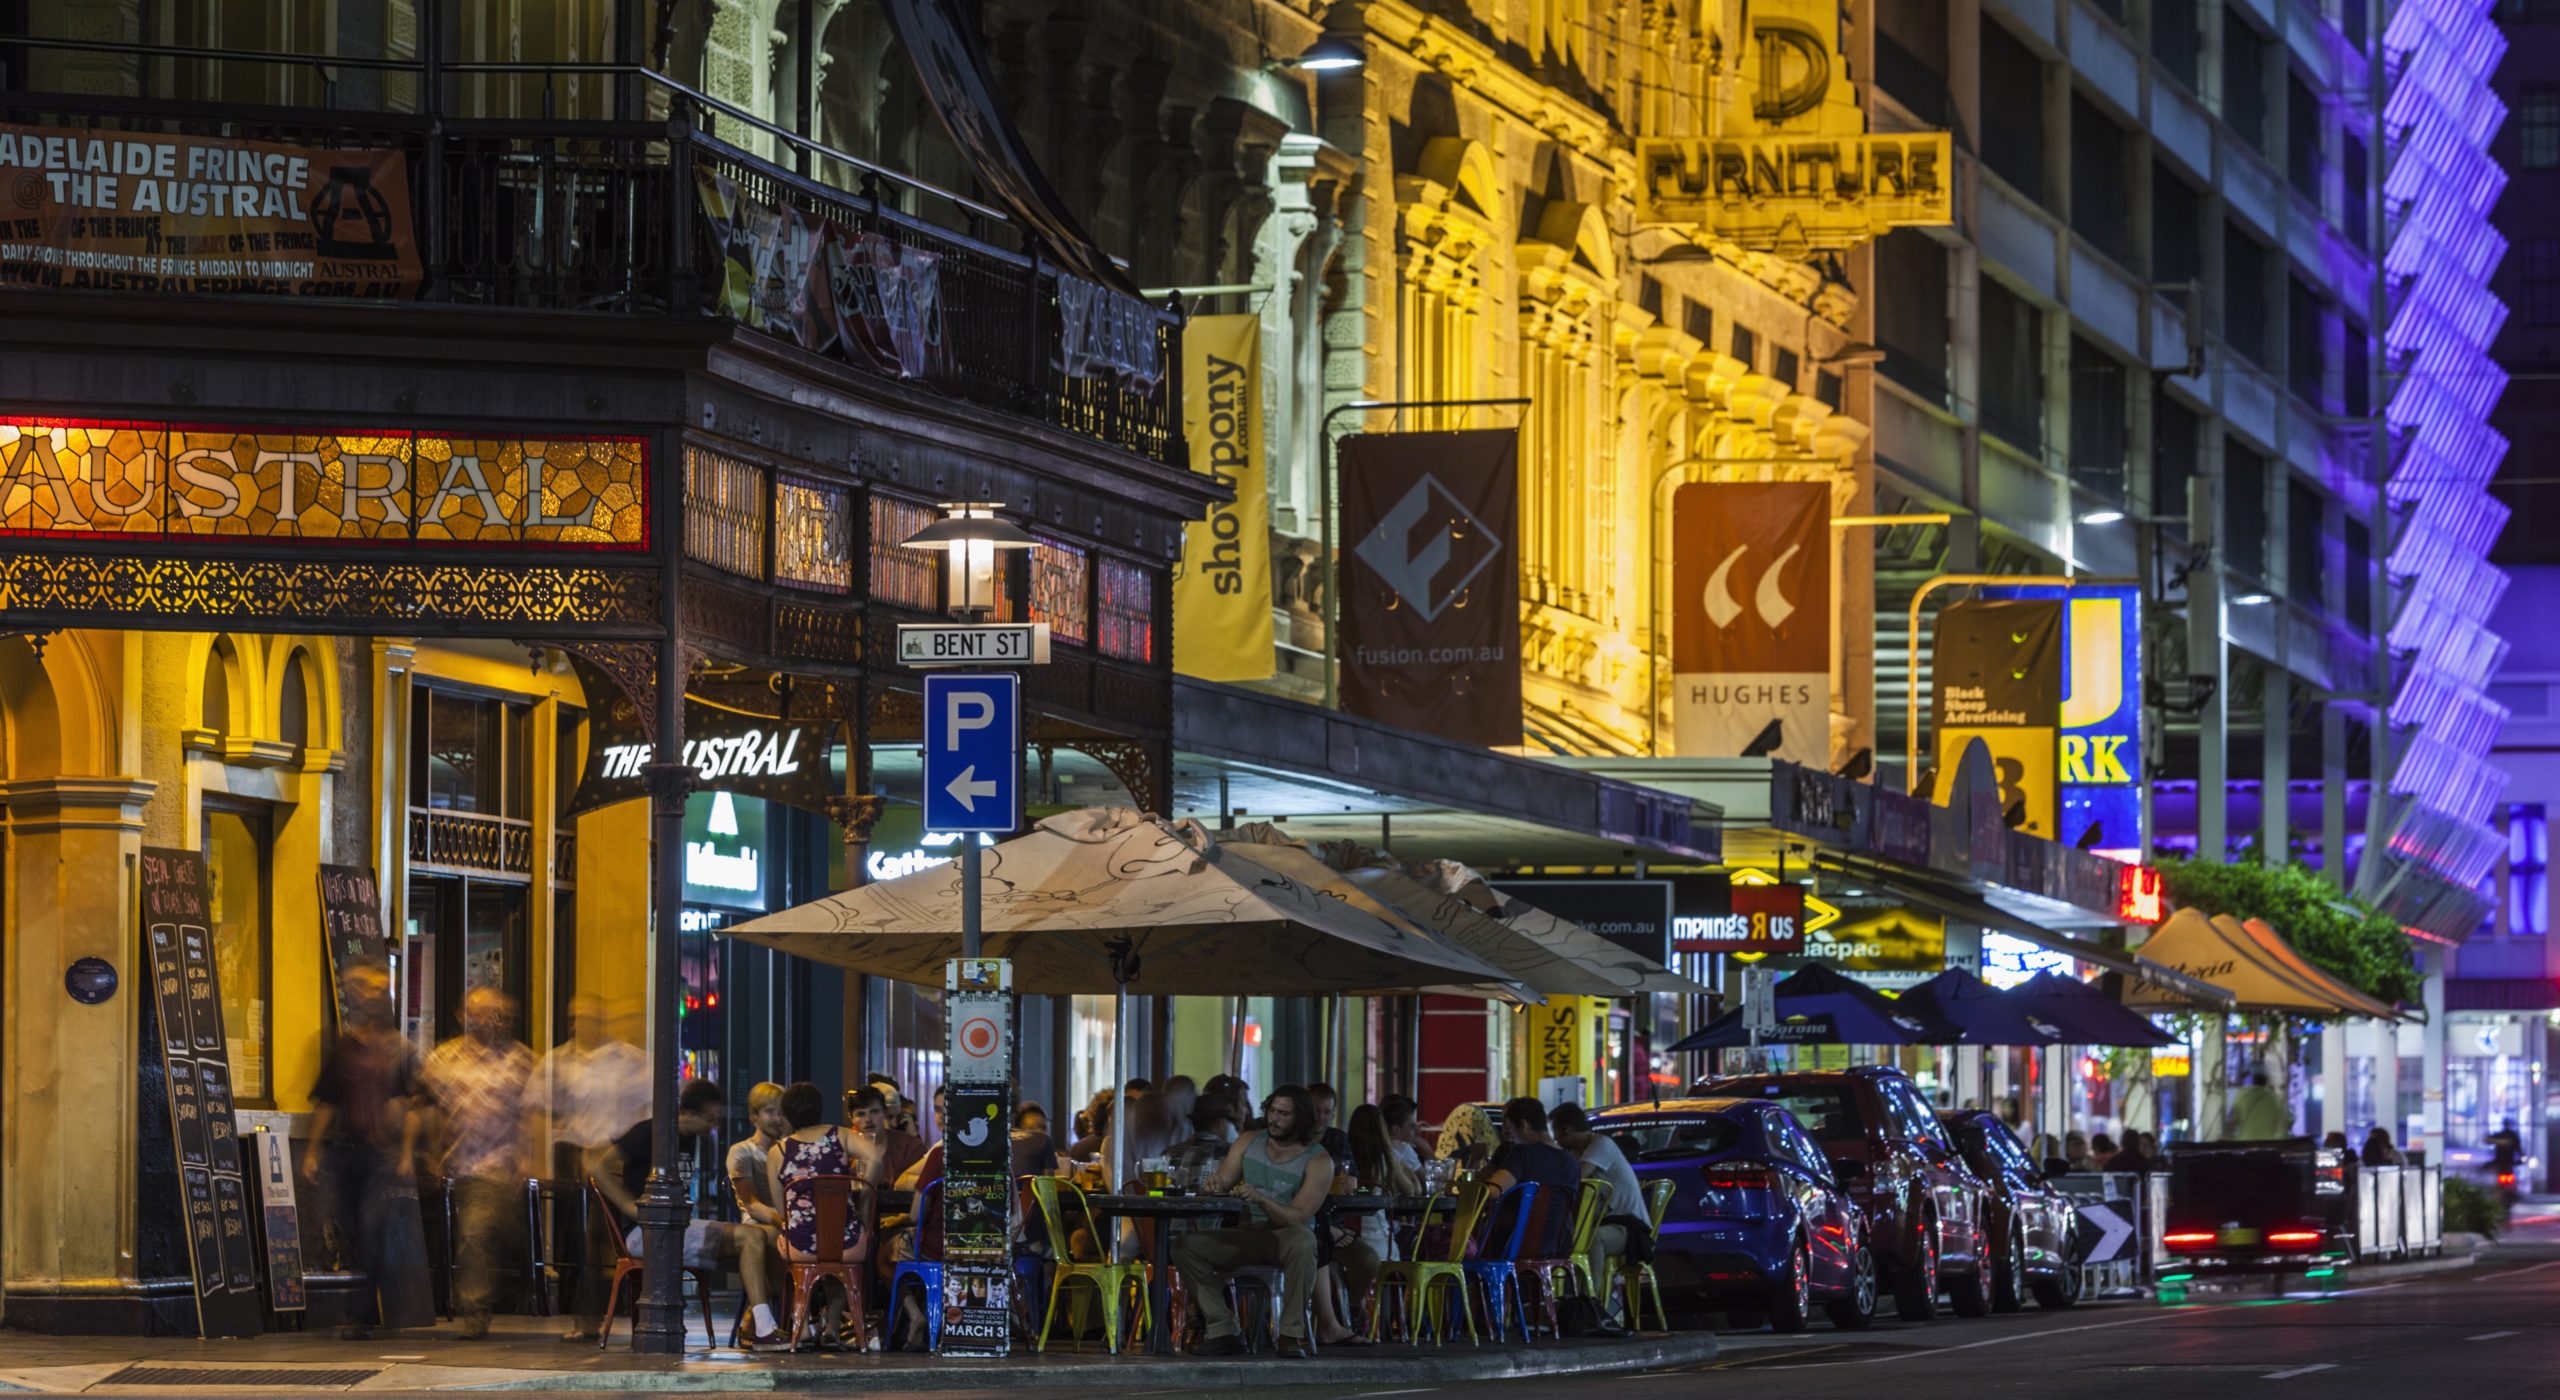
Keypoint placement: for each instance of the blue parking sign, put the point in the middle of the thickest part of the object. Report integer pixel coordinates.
(972, 752)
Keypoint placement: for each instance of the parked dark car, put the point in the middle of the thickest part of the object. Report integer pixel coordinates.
(1757, 1217)
(2030, 1223)
(1925, 1210)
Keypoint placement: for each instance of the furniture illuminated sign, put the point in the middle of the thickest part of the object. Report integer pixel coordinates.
(73, 479)
(1786, 165)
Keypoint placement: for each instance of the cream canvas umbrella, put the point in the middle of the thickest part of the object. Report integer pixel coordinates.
(1105, 898)
(1294, 862)
(2225, 952)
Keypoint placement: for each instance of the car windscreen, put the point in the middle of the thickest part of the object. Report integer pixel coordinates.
(1829, 1114)
(1670, 1139)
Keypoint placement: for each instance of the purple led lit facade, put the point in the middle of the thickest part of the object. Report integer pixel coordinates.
(2438, 834)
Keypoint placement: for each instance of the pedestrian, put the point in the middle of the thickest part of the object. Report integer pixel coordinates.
(1530, 1155)
(591, 1088)
(1283, 1176)
(713, 1246)
(2130, 1158)
(2380, 1151)
(2102, 1152)
(1211, 1135)
(893, 1150)
(1180, 1095)
(1031, 1118)
(364, 1139)
(2258, 1113)
(2075, 1151)
(900, 1112)
(479, 1080)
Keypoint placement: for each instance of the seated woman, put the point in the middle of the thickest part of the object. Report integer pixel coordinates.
(1282, 1175)
(815, 1147)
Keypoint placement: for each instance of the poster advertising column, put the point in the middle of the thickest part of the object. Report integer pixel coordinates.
(977, 1161)
(1996, 675)
(1750, 620)
(1222, 592)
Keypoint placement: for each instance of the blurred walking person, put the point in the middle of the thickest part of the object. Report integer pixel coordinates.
(364, 1137)
(593, 1088)
(479, 1079)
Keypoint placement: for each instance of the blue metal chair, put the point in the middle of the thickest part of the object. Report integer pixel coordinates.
(926, 1274)
(1496, 1267)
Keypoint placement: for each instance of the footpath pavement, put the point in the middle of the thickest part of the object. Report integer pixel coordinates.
(524, 1354)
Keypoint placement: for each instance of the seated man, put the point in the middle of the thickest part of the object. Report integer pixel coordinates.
(1283, 1176)
(710, 1245)
(1528, 1155)
(1627, 1224)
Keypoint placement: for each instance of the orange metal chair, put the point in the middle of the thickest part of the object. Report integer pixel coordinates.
(833, 1199)
(628, 1266)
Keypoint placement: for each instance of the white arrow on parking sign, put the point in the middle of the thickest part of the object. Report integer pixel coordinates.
(967, 788)
(2113, 1230)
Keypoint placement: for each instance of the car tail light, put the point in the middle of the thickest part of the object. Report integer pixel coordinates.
(1739, 1176)
(2188, 1239)
(2506, 1178)
(2291, 1237)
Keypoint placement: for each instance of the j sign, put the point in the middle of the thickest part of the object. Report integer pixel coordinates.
(2101, 740)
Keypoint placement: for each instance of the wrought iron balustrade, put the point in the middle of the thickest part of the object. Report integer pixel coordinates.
(470, 843)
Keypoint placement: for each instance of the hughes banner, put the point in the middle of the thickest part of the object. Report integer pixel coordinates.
(1222, 592)
(147, 212)
(1996, 675)
(1751, 620)
(1431, 590)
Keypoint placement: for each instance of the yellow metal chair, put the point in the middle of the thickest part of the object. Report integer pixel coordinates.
(1111, 1282)
(1422, 1279)
(1585, 1257)
(1657, 1203)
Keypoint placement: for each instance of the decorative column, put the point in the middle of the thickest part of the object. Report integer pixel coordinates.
(663, 1209)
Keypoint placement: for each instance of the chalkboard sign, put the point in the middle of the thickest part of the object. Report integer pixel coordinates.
(350, 922)
(187, 997)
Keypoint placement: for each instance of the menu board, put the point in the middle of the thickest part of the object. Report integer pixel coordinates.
(273, 1154)
(350, 921)
(187, 1004)
(977, 1161)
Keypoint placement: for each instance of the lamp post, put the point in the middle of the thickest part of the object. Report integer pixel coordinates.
(971, 537)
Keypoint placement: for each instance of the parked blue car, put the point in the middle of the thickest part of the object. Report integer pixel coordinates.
(1757, 1219)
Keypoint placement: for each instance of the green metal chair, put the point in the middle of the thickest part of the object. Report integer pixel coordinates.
(1657, 1203)
(1110, 1282)
(1422, 1279)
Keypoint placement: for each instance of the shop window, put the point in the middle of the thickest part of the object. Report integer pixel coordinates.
(293, 703)
(2012, 368)
(902, 577)
(813, 536)
(1061, 592)
(2013, 135)
(1126, 600)
(236, 858)
(724, 512)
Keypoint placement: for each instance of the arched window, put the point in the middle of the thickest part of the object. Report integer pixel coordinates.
(215, 714)
(293, 704)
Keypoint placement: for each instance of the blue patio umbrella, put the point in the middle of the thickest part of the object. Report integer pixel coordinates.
(2087, 1015)
(1818, 1006)
(1986, 1014)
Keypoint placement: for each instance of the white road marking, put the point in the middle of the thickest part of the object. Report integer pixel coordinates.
(1998, 1341)
(2299, 1371)
(2488, 1336)
(2514, 1273)
(1374, 1394)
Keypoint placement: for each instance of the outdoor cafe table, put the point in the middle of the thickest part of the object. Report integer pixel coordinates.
(1163, 1210)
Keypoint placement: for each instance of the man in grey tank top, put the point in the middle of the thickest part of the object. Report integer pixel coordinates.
(1282, 1176)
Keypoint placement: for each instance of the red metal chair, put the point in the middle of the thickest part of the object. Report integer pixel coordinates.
(629, 1266)
(833, 1200)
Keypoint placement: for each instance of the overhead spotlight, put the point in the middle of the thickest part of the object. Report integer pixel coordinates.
(2253, 600)
(1767, 741)
(1329, 54)
(2102, 517)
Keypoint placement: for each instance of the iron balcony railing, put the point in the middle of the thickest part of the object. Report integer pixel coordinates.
(601, 214)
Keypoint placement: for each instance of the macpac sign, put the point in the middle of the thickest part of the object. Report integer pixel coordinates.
(74, 479)
(1787, 165)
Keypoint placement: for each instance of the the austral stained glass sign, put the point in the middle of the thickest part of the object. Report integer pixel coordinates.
(77, 479)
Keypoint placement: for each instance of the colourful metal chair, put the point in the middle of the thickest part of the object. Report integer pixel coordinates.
(1110, 1282)
(627, 1268)
(833, 1199)
(1496, 1268)
(1426, 1283)
(1657, 1203)
(1556, 1275)
(925, 1274)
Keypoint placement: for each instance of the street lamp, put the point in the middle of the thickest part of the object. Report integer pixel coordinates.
(969, 536)
(1330, 53)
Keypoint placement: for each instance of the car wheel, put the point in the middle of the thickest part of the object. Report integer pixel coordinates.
(2063, 1289)
(1858, 1309)
(1791, 1296)
(2009, 1284)
(1915, 1285)
(1971, 1293)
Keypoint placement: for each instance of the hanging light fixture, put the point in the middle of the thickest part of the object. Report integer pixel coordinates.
(1330, 53)
(970, 535)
